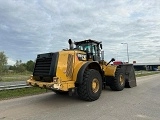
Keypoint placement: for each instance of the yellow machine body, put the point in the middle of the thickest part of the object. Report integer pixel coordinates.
(66, 70)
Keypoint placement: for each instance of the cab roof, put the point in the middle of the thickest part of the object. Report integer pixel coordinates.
(87, 41)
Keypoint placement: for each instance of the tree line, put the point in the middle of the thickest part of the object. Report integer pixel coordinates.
(19, 66)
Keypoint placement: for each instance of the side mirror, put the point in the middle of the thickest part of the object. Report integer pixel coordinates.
(101, 46)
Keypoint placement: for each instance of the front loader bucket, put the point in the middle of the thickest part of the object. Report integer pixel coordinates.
(130, 77)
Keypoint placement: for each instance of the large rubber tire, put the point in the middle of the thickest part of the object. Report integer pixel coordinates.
(85, 90)
(118, 83)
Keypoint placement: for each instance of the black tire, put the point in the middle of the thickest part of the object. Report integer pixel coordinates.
(86, 91)
(118, 83)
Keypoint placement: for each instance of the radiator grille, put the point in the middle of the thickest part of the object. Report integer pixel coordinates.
(45, 67)
(69, 66)
(42, 66)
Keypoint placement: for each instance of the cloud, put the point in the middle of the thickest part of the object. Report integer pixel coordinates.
(36, 26)
(11, 62)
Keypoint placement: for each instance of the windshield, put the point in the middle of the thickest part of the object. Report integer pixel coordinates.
(84, 47)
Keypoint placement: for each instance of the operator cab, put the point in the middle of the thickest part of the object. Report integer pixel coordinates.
(91, 47)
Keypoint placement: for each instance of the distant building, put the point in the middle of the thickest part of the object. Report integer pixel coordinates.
(146, 66)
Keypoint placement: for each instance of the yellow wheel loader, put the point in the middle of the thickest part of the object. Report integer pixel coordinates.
(81, 69)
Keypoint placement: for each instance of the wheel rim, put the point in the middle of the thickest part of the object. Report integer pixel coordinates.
(121, 79)
(95, 85)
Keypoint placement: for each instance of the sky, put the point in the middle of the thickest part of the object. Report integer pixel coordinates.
(31, 27)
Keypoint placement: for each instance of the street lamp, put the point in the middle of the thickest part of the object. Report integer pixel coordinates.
(127, 51)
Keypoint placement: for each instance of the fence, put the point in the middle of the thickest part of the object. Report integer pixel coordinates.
(12, 87)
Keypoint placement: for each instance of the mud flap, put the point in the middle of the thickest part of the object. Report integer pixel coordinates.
(130, 78)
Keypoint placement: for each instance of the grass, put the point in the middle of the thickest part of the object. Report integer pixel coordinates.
(15, 77)
(8, 94)
(145, 73)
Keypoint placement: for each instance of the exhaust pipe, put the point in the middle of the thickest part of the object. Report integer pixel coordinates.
(70, 44)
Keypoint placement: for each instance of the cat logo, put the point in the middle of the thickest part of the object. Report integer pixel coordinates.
(82, 57)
